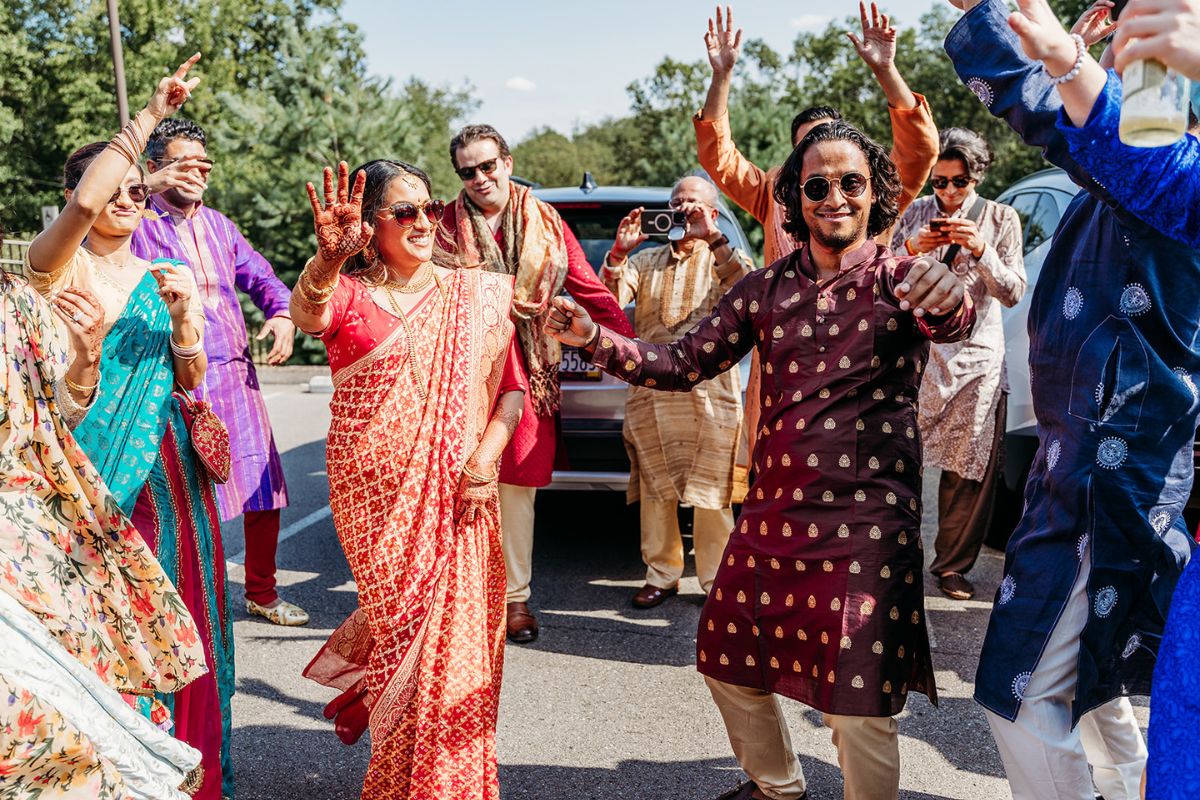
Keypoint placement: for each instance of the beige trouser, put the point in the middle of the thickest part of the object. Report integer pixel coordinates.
(662, 543)
(868, 747)
(1044, 758)
(516, 538)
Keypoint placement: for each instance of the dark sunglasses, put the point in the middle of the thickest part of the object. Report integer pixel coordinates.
(959, 181)
(486, 167)
(852, 184)
(406, 214)
(138, 192)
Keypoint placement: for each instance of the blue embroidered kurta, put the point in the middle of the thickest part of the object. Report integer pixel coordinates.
(1113, 368)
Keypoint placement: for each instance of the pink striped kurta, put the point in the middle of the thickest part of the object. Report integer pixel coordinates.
(224, 262)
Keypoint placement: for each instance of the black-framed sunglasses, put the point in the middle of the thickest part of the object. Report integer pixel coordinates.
(138, 192)
(486, 167)
(406, 214)
(941, 181)
(852, 184)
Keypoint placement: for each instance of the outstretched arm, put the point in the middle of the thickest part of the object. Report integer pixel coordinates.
(55, 246)
(715, 345)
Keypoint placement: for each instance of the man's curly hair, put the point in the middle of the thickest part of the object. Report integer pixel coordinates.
(885, 180)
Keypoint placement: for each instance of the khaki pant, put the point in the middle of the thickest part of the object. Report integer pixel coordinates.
(662, 543)
(965, 508)
(868, 747)
(1044, 758)
(516, 538)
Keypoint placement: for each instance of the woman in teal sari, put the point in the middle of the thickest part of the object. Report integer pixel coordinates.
(135, 432)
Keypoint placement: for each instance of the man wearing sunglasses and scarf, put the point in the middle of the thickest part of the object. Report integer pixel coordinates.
(180, 226)
(501, 225)
(819, 595)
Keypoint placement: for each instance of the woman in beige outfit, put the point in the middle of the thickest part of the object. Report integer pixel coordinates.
(964, 390)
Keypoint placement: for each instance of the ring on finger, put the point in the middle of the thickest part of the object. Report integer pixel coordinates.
(77, 316)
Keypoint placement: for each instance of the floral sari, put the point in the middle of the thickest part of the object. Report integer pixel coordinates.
(426, 646)
(85, 610)
(138, 440)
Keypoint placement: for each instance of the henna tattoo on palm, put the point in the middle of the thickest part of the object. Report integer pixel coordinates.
(341, 231)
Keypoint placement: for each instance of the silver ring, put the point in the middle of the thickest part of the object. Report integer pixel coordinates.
(77, 316)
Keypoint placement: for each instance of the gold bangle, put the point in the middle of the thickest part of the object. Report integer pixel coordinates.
(475, 476)
(315, 294)
(84, 390)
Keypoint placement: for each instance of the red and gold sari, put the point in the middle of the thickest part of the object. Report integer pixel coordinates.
(410, 404)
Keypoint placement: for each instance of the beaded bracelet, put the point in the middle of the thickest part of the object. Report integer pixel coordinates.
(1080, 52)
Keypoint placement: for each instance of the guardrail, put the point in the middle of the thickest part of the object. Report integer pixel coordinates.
(12, 256)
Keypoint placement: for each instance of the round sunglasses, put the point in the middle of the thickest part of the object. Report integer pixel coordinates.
(138, 192)
(852, 184)
(959, 181)
(486, 167)
(406, 214)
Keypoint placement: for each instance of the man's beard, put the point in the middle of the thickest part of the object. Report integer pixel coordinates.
(835, 241)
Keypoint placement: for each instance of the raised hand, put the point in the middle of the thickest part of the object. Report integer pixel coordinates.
(1042, 36)
(569, 323)
(877, 47)
(929, 288)
(700, 222)
(189, 174)
(1168, 30)
(173, 91)
(341, 230)
(722, 42)
(1096, 22)
(629, 235)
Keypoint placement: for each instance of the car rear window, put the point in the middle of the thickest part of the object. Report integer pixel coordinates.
(595, 226)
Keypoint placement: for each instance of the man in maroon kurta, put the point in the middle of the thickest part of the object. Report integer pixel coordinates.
(489, 205)
(819, 596)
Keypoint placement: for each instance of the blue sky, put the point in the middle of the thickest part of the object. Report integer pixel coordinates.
(566, 63)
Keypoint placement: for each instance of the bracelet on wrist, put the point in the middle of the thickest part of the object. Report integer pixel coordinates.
(188, 352)
(83, 390)
(719, 242)
(481, 479)
(1080, 54)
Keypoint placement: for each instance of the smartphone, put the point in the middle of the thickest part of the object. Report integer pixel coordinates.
(1116, 10)
(939, 225)
(660, 221)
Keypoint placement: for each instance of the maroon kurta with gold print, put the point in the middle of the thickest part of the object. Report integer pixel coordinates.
(819, 596)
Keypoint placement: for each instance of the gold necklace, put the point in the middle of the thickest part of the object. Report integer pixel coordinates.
(413, 286)
(111, 280)
(414, 368)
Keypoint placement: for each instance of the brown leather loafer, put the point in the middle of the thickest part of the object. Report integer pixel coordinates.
(956, 587)
(521, 625)
(650, 596)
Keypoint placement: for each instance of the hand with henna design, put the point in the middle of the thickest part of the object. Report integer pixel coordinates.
(341, 231)
(477, 497)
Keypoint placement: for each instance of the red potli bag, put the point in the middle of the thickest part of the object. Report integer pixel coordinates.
(210, 437)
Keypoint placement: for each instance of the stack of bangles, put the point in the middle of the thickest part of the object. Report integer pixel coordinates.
(480, 479)
(188, 352)
(317, 295)
(84, 391)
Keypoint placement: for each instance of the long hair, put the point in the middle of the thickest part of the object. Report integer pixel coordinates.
(380, 174)
(885, 180)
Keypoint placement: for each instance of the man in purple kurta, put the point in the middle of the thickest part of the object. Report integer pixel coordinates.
(223, 262)
(819, 593)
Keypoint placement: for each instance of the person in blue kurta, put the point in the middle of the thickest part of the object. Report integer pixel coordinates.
(1114, 364)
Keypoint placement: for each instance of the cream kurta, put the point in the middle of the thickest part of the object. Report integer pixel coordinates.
(681, 445)
(963, 380)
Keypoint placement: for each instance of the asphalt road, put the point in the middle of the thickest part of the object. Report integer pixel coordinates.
(607, 703)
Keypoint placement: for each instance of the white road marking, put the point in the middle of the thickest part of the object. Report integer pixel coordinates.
(298, 526)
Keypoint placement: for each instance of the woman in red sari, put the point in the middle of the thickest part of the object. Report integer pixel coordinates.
(426, 396)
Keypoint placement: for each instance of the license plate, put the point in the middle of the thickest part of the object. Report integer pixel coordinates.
(574, 367)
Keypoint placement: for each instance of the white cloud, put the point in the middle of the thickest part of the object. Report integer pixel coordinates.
(811, 22)
(519, 84)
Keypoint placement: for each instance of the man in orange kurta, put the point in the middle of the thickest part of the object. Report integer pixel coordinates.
(914, 144)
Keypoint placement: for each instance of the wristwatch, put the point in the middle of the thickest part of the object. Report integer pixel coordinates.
(719, 242)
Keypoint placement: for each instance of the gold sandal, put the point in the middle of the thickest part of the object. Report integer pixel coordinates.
(287, 614)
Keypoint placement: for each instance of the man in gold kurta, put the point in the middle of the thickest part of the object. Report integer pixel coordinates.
(681, 446)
